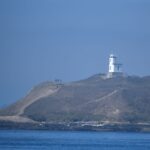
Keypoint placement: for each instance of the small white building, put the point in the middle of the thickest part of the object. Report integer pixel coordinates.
(115, 68)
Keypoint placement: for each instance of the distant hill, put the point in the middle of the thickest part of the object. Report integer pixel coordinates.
(113, 100)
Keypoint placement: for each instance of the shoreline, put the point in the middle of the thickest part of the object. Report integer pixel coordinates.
(73, 126)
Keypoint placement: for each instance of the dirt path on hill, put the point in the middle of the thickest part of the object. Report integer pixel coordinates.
(34, 99)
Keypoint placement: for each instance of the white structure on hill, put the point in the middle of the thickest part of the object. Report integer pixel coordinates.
(115, 68)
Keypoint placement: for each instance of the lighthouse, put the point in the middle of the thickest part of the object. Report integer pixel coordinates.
(115, 68)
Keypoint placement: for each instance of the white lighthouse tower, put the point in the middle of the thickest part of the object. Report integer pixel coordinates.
(115, 68)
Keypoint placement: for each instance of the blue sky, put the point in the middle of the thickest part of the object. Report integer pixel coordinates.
(69, 39)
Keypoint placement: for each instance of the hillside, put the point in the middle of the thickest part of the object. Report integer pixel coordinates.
(96, 99)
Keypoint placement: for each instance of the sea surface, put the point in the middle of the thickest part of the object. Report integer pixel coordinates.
(62, 140)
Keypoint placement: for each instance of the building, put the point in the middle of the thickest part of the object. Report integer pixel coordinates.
(115, 68)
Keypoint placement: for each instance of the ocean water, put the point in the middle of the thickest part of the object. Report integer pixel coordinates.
(62, 140)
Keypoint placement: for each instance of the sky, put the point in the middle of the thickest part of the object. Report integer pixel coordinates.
(42, 40)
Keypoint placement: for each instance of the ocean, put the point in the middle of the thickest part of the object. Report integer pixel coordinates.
(66, 140)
